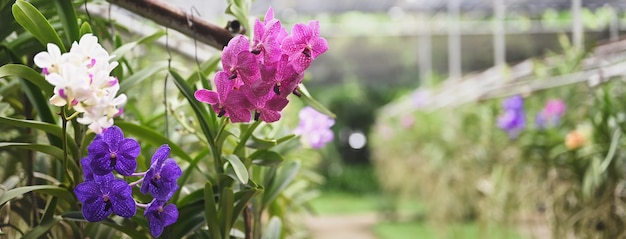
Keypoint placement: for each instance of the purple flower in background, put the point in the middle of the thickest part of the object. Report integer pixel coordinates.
(110, 150)
(159, 216)
(550, 115)
(314, 128)
(513, 120)
(102, 198)
(160, 179)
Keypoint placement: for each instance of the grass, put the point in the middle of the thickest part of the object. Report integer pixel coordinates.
(333, 203)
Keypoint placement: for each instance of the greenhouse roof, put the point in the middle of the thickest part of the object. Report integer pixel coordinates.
(481, 6)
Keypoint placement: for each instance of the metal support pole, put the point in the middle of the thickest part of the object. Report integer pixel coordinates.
(577, 24)
(454, 39)
(499, 34)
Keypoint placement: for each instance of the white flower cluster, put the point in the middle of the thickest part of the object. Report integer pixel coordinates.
(82, 80)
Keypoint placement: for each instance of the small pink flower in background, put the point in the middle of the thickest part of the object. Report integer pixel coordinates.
(550, 115)
(314, 128)
(407, 121)
(82, 80)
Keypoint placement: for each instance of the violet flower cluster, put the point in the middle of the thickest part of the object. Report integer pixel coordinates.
(82, 81)
(259, 77)
(103, 194)
(513, 120)
(551, 114)
(314, 128)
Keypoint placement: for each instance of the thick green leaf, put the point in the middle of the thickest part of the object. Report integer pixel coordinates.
(240, 169)
(46, 149)
(206, 123)
(306, 97)
(225, 212)
(42, 228)
(66, 11)
(142, 75)
(52, 129)
(74, 216)
(130, 231)
(28, 74)
(85, 28)
(282, 180)
(266, 158)
(49, 211)
(153, 137)
(13, 193)
(34, 22)
(210, 211)
(257, 143)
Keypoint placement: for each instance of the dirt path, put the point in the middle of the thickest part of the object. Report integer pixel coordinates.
(354, 226)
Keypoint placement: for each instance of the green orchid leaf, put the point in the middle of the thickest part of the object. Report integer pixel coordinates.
(28, 74)
(42, 228)
(225, 212)
(46, 149)
(266, 158)
(243, 198)
(68, 19)
(85, 28)
(206, 123)
(51, 129)
(240, 169)
(257, 143)
(210, 210)
(283, 178)
(34, 22)
(54, 190)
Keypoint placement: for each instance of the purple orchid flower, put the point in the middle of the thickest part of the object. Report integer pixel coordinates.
(160, 179)
(267, 38)
(88, 173)
(239, 62)
(281, 78)
(111, 151)
(513, 120)
(100, 199)
(227, 101)
(267, 107)
(314, 128)
(159, 216)
(304, 45)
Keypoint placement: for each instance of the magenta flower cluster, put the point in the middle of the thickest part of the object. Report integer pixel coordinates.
(256, 79)
(513, 120)
(103, 194)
